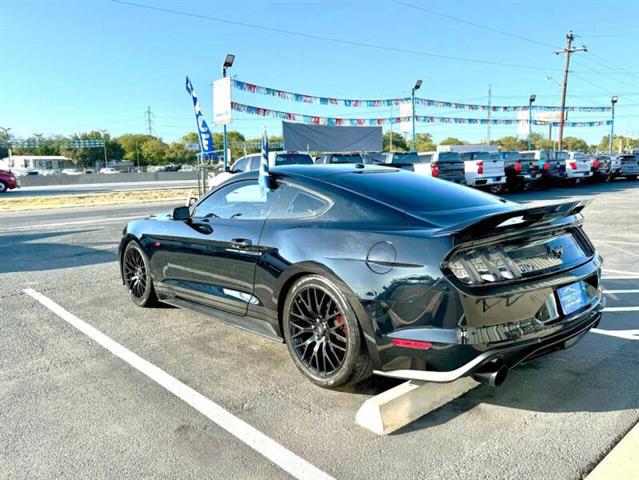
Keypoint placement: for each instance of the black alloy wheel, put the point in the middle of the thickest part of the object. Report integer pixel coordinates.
(135, 268)
(323, 335)
(3, 187)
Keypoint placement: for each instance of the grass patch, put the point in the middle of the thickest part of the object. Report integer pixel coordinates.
(88, 199)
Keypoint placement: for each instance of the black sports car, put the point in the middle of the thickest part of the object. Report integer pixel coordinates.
(368, 269)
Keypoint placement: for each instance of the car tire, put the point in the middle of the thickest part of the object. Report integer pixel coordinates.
(323, 335)
(3, 187)
(137, 276)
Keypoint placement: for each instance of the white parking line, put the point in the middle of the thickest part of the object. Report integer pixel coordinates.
(625, 277)
(270, 449)
(605, 270)
(621, 309)
(621, 291)
(627, 334)
(615, 242)
(66, 224)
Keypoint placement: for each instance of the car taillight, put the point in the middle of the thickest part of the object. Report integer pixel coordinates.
(480, 167)
(546, 166)
(595, 164)
(434, 169)
(517, 166)
(418, 344)
(573, 165)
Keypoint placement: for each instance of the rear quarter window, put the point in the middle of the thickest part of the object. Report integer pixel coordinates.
(414, 193)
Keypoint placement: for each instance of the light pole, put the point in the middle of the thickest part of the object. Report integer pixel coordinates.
(418, 84)
(613, 100)
(228, 63)
(106, 162)
(531, 100)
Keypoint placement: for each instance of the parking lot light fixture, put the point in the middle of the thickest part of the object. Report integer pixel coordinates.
(531, 100)
(417, 86)
(228, 63)
(613, 100)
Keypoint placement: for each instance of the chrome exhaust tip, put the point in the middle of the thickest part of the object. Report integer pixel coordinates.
(494, 378)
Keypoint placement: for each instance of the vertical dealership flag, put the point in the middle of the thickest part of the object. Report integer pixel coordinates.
(263, 178)
(203, 132)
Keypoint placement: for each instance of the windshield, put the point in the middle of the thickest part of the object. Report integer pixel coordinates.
(347, 158)
(510, 156)
(449, 157)
(475, 155)
(407, 158)
(293, 159)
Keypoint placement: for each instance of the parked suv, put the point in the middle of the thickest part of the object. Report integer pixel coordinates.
(325, 158)
(483, 171)
(8, 181)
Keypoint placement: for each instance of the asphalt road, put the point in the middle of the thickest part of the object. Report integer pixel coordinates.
(69, 408)
(97, 188)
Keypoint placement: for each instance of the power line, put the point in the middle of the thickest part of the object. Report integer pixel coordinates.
(329, 39)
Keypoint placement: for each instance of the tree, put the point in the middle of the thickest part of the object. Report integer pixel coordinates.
(452, 141)
(425, 142)
(131, 144)
(575, 144)
(510, 143)
(399, 142)
(154, 151)
(235, 142)
(179, 153)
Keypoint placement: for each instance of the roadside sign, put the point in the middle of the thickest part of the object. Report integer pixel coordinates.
(222, 101)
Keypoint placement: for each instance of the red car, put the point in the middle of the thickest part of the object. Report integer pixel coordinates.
(8, 181)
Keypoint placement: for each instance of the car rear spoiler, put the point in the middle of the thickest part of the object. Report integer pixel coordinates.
(515, 220)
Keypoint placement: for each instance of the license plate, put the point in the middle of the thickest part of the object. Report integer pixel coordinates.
(572, 297)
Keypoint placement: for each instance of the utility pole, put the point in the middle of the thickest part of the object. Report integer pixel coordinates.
(418, 84)
(611, 141)
(489, 110)
(148, 118)
(106, 161)
(567, 51)
(531, 100)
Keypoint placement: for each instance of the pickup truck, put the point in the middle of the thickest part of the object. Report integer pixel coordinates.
(483, 172)
(577, 166)
(520, 174)
(628, 166)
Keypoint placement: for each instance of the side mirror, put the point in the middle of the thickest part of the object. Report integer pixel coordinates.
(181, 213)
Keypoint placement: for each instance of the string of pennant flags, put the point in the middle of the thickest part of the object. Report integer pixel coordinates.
(426, 102)
(358, 122)
(69, 144)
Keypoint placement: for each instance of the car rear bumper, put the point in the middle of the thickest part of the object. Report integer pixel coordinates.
(486, 181)
(511, 355)
(584, 174)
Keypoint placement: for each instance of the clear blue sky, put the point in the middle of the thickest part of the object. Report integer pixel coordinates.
(72, 66)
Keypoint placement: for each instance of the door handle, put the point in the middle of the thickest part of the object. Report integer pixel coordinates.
(241, 242)
(204, 228)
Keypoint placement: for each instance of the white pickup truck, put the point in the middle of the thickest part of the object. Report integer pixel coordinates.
(483, 171)
(578, 166)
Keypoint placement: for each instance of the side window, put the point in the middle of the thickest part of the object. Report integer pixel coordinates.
(296, 202)
(240, 165)
(255, 162)
(243, 200)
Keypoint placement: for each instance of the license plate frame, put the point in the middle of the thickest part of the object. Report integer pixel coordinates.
(572, 297)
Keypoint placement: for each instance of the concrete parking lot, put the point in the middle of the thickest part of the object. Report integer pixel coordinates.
(69, 408)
